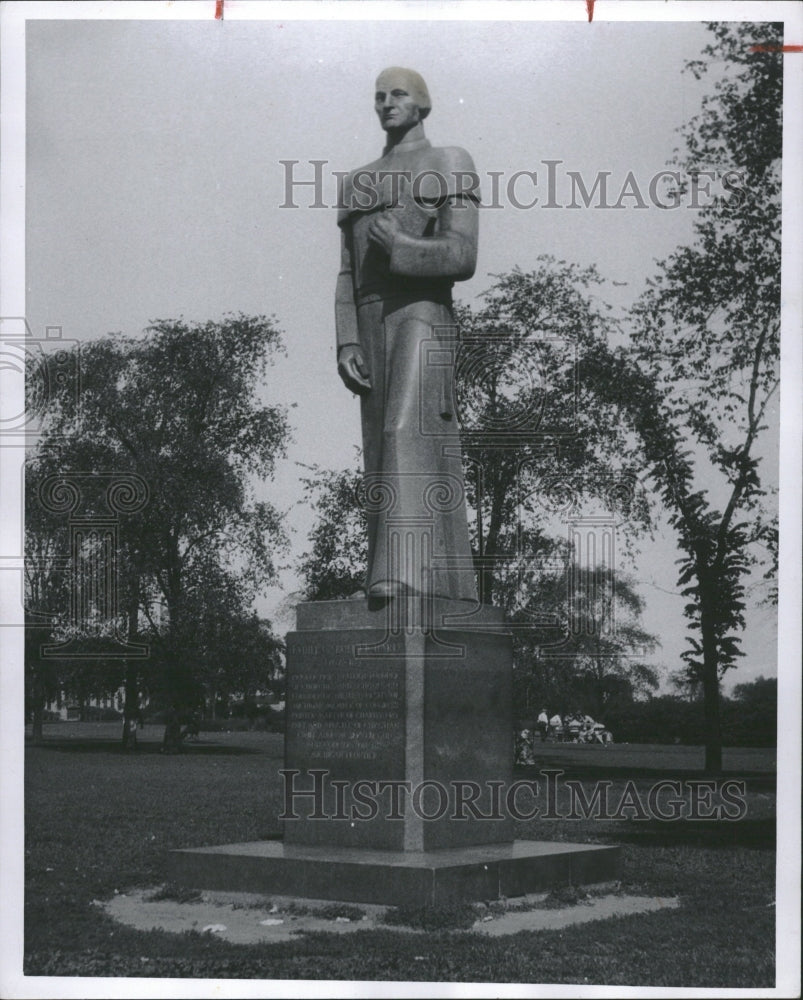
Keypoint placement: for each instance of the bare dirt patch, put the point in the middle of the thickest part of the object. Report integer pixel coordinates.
(247, 918)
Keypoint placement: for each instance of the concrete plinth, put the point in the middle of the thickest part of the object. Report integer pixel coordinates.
(408, 706)
(394, 877)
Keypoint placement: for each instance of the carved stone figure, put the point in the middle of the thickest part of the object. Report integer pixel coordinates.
(409, 224)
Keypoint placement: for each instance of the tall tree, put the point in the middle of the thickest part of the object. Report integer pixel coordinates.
(183, 408)
(235, 653)
(47, 555)
(698, 381)
(594, 649)
(536, 439)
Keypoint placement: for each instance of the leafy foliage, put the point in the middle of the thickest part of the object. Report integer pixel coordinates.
(537, 441)
(706, 351)
(183, 408)
(696, 383)
(591, 655)
(335, 565)
(748, 719)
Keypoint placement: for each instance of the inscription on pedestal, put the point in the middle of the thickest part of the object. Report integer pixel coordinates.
(346, 714)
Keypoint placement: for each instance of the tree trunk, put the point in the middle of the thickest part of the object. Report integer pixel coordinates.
(171, 741)
(711, 713)
(129, 734)
(38, 712)
(491, 544)
(131, 707)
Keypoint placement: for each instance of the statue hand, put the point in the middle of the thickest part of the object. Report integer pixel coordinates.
(352, 368)
(383, 229)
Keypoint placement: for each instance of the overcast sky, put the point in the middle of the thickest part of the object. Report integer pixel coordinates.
(154, 187)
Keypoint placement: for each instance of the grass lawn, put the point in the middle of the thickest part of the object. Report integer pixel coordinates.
(98, 820)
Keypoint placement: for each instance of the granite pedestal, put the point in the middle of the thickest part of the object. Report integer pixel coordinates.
(406, 709)
(398, 754)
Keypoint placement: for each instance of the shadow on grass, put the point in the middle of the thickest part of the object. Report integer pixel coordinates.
(758, 834)
(71, 745)
(756, 780)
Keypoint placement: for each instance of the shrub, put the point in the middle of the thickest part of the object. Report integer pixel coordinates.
(748, 720)
(666, 719)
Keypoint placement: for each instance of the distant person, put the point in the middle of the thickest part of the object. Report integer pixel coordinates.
(543, 724)
(598, 734)
(524, 748)
(574, 726)
(556, 727)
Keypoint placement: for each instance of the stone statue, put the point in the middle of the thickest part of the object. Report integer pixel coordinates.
(409, 224)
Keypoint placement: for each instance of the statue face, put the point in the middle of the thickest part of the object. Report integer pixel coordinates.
(394, 105)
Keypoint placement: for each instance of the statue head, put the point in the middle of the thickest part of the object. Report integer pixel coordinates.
(402, 99)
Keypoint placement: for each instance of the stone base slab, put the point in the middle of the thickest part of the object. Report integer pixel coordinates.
(394, 878)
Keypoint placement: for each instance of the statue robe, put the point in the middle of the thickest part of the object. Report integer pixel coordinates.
(398, 308)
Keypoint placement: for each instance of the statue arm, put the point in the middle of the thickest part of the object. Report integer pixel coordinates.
(451, 253)
(345, 308)
(351, 364)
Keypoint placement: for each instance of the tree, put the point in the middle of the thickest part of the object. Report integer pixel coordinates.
(47, 551)
(751, 716)
(584, 646)
(697, 380)
(335, 565)
(542, 455)
(235, 651)
(606, 638)
(536, 440)
(568, 649)
(182, 408)
(702, 371)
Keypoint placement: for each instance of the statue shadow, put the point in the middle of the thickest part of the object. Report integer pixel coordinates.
(144, 748)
